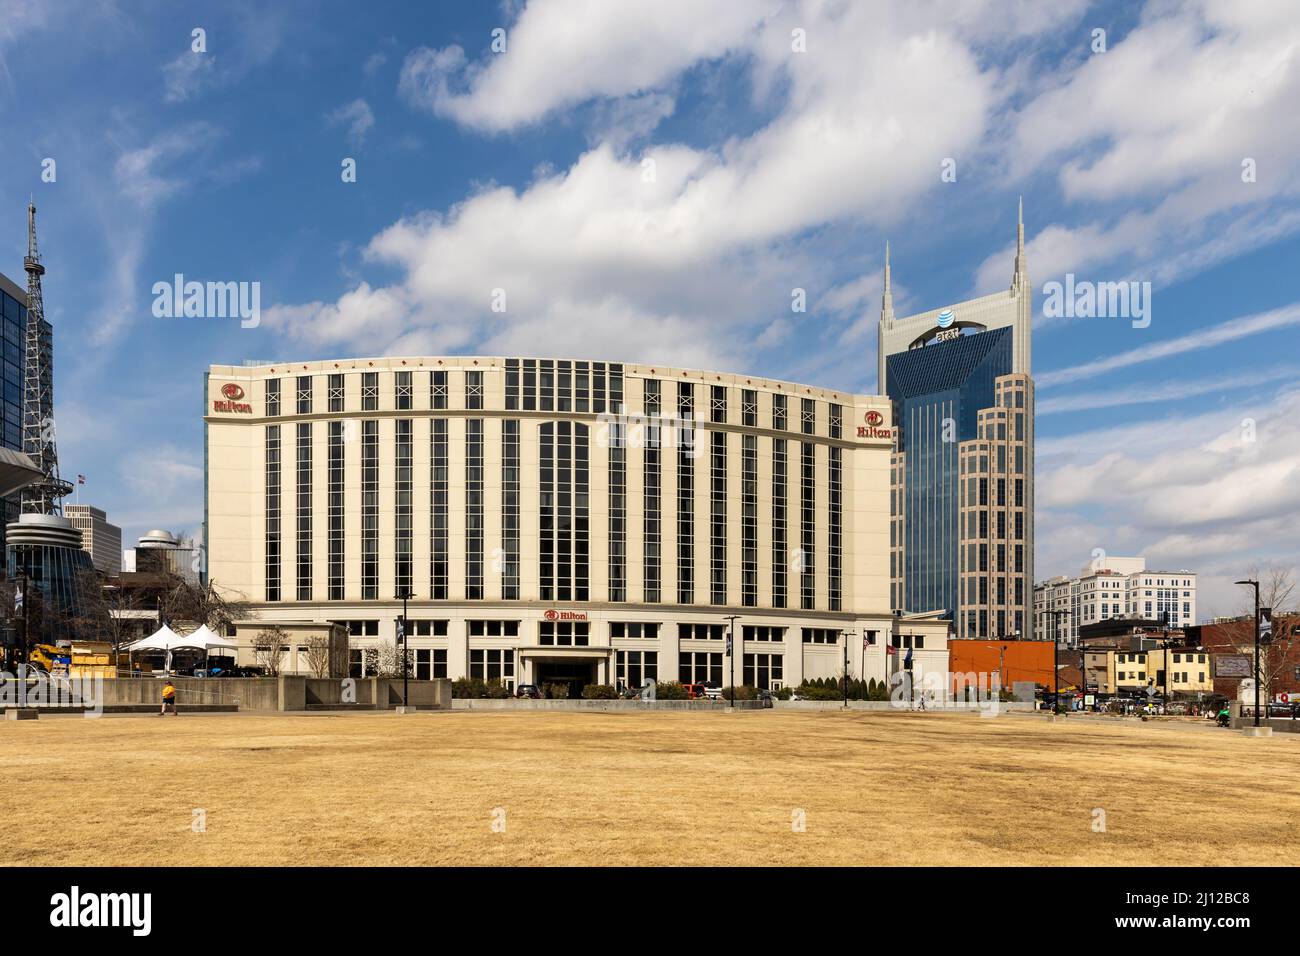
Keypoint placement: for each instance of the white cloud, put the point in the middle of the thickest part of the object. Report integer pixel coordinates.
(566, 52)
(185, 76)
(1211, 492)
(1229, 331)
(357, 117)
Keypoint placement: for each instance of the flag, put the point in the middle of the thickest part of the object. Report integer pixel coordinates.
(890, 649)
(81, 479)
(866, 642)
(401, 631)
(908, 656)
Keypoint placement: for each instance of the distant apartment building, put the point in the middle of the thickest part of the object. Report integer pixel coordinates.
(1114, 587)
(100, 539)
(1166, 671)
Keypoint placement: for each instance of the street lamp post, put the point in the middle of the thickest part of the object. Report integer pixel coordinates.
(731, 653)
(1255, 585)
(1057, 614)
(404, 594)
(845, 636)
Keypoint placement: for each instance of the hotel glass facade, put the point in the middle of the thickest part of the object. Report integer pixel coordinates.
(556, 520)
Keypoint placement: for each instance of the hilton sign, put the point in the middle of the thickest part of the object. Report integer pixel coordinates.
(231, 403)
(872, 427)
(554, 615)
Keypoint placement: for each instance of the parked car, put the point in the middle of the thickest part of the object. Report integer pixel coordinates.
(695, 691)
(529, 691)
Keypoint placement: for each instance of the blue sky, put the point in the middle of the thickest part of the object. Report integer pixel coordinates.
(773, 168)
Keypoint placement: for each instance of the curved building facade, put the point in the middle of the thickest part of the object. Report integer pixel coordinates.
(46, 549)
(557, 520)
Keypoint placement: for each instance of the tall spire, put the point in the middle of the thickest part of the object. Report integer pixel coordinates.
(1021, 277)
(887, 298)
(43, 496)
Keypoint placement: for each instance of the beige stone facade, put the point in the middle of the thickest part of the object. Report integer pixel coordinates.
(481, 483)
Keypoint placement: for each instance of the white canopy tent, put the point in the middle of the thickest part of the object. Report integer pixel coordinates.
(165, 639)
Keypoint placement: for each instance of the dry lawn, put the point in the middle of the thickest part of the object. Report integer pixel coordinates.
(643, 788)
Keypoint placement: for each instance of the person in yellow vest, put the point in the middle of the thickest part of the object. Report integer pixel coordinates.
(169, 699)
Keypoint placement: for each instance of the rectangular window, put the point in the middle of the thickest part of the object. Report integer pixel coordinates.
(749, 521)
(438, 390)
(808, 525)
(808, 416)
(335, 515)
(273, 538)
(837, 421)
(780, 557)
(304, 394)
(403, 491)
(512, 385)
(778, 412)
(764, 671)
(336, 393)
(369, 391)
(402, 391)
(834, 527)
(686, 517)
(474, 390)
(303, 492)
(652, 396)
(563, 633)
(474, 508)
(510, 509)
(749, 407)
(617, 513)
(718, 518)
(634, 668)
(370, 510)
(564, 513)
(439, 547)
(652, 521)
(272, 397)
(718, 404)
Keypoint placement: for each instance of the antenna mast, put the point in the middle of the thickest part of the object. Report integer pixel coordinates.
(38, 390)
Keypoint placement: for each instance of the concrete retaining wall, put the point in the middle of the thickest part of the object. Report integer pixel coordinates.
(287, 693)
(953, 706)
(599, 705)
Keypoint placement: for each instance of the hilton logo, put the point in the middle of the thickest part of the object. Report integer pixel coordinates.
(554, 615)
(872, 427)
(233, 393)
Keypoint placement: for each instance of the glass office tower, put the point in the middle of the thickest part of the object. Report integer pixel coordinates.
(938, 392)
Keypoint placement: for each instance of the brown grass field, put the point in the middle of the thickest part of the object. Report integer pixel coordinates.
(643, 788)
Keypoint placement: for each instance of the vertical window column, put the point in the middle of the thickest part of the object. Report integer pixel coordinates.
(510, 510)
(474, 508)
(617, 512)
(303, 492)
(807, 525)
(370, 510)
(780, 509)
(273, 536)
(403, 513)
(718, 516)
(749, 521)
(335, 509)
(439, 547)
(834, 525)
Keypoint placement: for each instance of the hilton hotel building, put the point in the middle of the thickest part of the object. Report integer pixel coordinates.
(962, 477)
(556, 520)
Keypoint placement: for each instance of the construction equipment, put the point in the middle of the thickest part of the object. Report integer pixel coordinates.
(75, 659)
